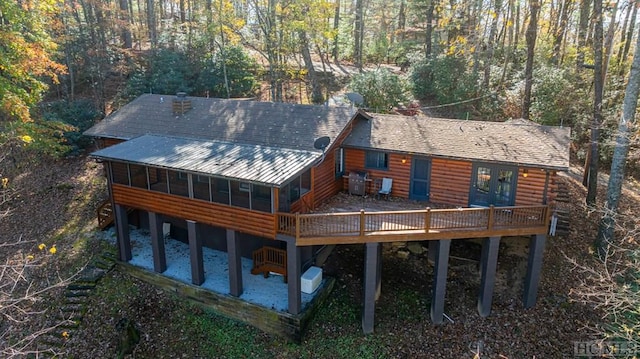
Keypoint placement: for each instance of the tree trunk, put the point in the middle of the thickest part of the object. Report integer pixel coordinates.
(592, 187)
(429, 29)
(223, 53)
(532, 32)
(491, 44)
(558, 36)
(623, 35)
(183, 12)
(583, 25)
(358, 33)
(402, 20)
(509, 48)
(625, 131)
(316, 90)
(151, 23)
(127, 42)
(627, 43)
(336, 25)
(608, 43)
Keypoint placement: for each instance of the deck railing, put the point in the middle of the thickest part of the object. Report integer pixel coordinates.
(358, 227)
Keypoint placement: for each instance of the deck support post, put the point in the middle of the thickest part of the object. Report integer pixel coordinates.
(439, 280)
(293, 276)
(157, 243)
(372, 270)
(235, 263)
(534, 267)
(195, 253)
(124, 240)
(488, 265)
(431, 252)
(379, 273)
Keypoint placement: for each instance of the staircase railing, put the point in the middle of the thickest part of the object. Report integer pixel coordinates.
(105, 214)
(269, 259)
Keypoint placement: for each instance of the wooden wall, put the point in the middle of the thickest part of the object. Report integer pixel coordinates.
(450, 181)
(239, 219)
(107, 142)
(304, 204)
(325, 184)
(398, 171)
(530, 189)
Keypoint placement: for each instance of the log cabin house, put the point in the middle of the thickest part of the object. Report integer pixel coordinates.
(246, 177)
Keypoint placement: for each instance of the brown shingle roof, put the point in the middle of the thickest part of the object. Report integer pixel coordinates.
(250, 122)
(518, 141)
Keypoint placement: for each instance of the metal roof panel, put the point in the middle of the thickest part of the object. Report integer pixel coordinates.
(266, 165)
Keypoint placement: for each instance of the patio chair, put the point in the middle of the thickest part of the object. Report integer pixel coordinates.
(385, 190)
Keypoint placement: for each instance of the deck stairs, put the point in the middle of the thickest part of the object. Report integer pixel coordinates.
(105, 214)
(562, 208)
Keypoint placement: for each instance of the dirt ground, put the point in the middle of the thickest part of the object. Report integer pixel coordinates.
(56, 205)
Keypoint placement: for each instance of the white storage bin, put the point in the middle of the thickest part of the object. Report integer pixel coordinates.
(311, 279)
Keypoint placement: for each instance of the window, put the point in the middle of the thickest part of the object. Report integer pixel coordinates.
(261, 198)
(377, 160)
(178, 183)
(305, 182)
(245, 187)
(138, 176)
(220, 190)
(201, 188)
(339, 162)
(239, 196)
(120, 173)
(158, 180)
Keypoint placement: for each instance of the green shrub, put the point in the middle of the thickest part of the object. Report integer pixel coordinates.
(445, 79)
(66, 121)
(241, 70)
(381, 89)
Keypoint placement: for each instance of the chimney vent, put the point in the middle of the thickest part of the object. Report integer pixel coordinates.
(181, 104)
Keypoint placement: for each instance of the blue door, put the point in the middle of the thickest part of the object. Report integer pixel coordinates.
(493, 185)
(420, 173)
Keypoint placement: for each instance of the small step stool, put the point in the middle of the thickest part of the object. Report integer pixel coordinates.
(311, 280)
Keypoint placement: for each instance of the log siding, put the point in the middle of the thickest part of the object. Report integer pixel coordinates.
(239, 219)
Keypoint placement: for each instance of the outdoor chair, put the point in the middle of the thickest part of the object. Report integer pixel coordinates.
(385, 190)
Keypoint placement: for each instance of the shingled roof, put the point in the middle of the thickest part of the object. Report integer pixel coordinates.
(515, 142)
(260, 123)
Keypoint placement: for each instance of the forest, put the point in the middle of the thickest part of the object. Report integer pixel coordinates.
(65, 64)
(68, 63)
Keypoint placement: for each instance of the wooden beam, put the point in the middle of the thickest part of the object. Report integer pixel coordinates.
(195, 253)
(372, 264)
(488, 265)
(439, 281)
(534, 268)
(235, 263)
(157, 243)
(124, 241)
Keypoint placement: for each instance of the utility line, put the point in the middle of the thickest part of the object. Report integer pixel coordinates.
(456, 103)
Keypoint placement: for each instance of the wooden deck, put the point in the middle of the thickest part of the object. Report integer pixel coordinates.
(413, 225)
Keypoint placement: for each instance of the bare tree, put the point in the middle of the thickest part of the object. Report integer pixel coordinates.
(532, 31)
(626, 127)
(610, 285)
(592, 166)
(583, 24)
(19, 295)
(358, 34)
